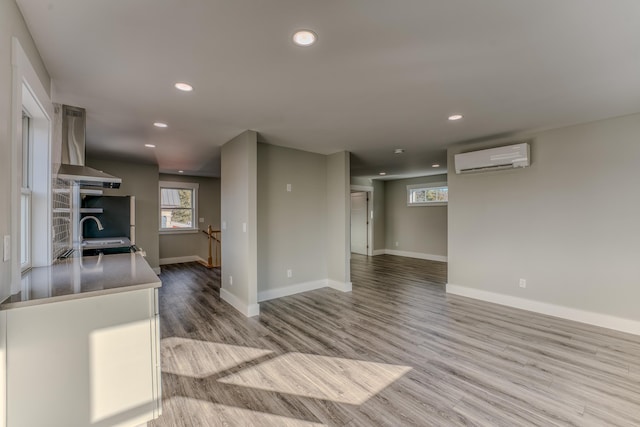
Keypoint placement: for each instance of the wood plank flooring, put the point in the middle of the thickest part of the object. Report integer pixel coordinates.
(397, 351)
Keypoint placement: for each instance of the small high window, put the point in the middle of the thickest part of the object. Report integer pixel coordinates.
(178, 206)
(432, 194)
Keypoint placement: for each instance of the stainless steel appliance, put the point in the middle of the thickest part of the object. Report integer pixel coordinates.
(70, 126)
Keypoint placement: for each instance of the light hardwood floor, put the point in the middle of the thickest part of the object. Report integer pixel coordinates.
(397, 351)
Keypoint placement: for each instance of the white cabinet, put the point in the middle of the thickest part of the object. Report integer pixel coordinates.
(84, 362)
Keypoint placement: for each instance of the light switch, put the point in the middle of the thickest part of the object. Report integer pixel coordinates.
(7, 248)
(244, 227)
(224, 225)
(289, 188)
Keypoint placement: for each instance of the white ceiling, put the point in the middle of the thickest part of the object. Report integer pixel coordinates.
(384, 74)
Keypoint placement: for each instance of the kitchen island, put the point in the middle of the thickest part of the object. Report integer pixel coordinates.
(82, 344)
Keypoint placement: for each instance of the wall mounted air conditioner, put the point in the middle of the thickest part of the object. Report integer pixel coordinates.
(506, 157)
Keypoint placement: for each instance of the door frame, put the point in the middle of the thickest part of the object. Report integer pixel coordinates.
(369, 190)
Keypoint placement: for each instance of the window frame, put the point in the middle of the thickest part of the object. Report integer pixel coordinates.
(179, 185)
(26, 194)
(429, 185)
(30, 95)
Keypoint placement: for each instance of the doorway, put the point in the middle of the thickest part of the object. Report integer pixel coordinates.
(360, 230)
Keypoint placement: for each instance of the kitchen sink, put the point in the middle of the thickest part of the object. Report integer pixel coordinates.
(102, 242)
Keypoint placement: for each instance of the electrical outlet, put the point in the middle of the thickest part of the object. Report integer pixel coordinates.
(289, 188)
(289, 273)
(523, 283)
(224, 225)
(397, 243)
(231, 280)
(244, 227)
(201, 220)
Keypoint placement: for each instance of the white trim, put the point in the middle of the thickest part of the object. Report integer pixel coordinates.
(194, 187)
(418, 255)
(248, 310)
(25, 81)
(341, 286)
(379, 252)
(181, 259)
(588, 317)
(370, 216)
(171, 231)
(157, 270)
(180, 184)
(303, 287)
(427, 185)
(291, 290)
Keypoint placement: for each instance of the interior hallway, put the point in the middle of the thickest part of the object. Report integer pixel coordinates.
(396, 351)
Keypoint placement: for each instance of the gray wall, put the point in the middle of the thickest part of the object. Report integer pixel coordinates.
(379, 215)
(420, 229)
(11, 24)
(569, 224)
(338, 217)
(238, 206)
(182, 245)
(292, 226)
(141, 181)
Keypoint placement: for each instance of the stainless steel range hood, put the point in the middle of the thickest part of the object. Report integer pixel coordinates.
(73, 125)
(88, 177)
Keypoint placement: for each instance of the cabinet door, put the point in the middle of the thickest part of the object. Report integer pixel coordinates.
(85, 362)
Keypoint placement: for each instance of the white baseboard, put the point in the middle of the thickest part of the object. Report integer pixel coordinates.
(180, 259)
(303, 287)
(248, 310)
(418, 255)
(291, 290)
(378, 252)
(589, 317)
(341, 286)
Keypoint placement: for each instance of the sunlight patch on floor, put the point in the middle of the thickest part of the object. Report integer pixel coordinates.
(195, 412)
(200, 359)
(320, 377)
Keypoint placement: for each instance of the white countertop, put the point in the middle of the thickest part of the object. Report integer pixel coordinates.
(82, 277)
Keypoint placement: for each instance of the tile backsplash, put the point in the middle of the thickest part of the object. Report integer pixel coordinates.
(61, 216)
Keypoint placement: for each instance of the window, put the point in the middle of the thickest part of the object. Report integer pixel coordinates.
(178, 206)
(31, 209)
(25, 195)
(433, 194)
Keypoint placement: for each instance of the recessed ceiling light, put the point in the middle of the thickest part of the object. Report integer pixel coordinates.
(149, 145)
(455, 117)
(304, 38)
(435, 165)
(398, 150)
(180, 171)
(160, 125)
(185, 87)
(383, 173)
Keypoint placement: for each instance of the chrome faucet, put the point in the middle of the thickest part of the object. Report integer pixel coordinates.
(100, 227)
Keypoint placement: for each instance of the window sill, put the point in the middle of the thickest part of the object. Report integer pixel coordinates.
(411, 205)
(180, 231)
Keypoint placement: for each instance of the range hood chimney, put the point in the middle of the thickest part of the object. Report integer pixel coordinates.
(73, 126)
